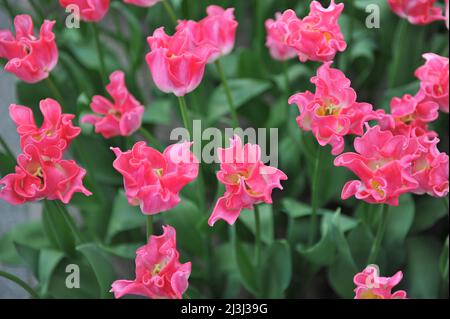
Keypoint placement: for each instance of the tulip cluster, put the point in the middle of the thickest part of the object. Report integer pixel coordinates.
(41, 171)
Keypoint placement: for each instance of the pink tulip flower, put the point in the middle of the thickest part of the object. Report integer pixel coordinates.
(153, 180)
(247, 181)
(277, 33)
(29, 57)
(89, 10)
(369, 285)
(417, 11)
(142, 3)
(159, 273)
(123, 117)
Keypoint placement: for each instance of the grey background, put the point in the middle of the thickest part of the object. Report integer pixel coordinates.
(9, 215)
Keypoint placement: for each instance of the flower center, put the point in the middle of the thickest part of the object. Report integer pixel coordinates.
(159, 172)
(116, 114)
(368, 294)
(327, 109)
(376, 186)
(156, 269)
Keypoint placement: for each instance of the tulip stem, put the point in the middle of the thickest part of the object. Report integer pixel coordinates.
(185, 115)
(379, 236)
(54, 89)
(315, 197)
(100, 53)
(257, 236)
(286, 77)
(228, 94)
(149, 226)
(149, 137)
(170, 11)
(7, 149)
(20, 283)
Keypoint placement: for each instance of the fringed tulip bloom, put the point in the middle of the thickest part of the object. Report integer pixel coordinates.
(369, 285)
(431, 170)
(177, 63)
(153, 180)
(159, 273)
(331, 112)
(29, 57)
(57, 129)
(383, 164)
(89, 10)
(247, 181)
(39, 176)
(277, 33)
(417, 11)
(217, 29)
(142, 3)
(433, 76)
(318, 36)
(123, 117)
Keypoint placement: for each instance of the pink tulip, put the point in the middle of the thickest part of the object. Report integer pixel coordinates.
(277, 33)
(39, 176)
(383, 163)
(154, 180)
(369, 285)
(318, 36)
(57, 129)
(31, 59)
(177, 63)
(159, 273)
(417, 11)
(247, 181)
(433, 76)
(142, 3)
(332, 112)
(89, 10)
(121, 118)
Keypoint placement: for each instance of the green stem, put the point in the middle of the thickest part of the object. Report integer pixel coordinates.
(170, 11)
(149, 137)
(286, 78)
(185, 115)
(54, 89)
(149, 226)
(228, 94)
(257, 237)
(20, 283)
(315, 197)
(100, 53)
(7, 149)
(379, 236)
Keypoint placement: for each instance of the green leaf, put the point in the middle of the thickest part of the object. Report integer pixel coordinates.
(247, 271)
(127, 251)
(295, 72)
(360, 240)
(242, 90)
(247, 217)
(399, 221)
(6, 164)
(443, 265)
(47, 263)
(277, 271)
(102, 266)
(159, 112)
(124, 216)
(422, 274)
(429, 211)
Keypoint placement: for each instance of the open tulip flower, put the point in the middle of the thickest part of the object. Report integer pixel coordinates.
(247, 181)
(123, 117)
(29, 57)
(369, 285)
(277, 34)
(159, 273)
(417, 11)
(89, 10)
(153, 180)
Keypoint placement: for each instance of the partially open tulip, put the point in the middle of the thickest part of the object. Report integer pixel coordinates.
(433, 76)
(159, 273)
(57, 130)
(38, 176)
(332, 112)
(177, 63)
(123, 117)
(383, 163)
(417, 11)
(89, 10)
(369, 285)
(29, 57)
(318, 36)
(247, 181)
(142, 3)
(277, 33)
(153, 180)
